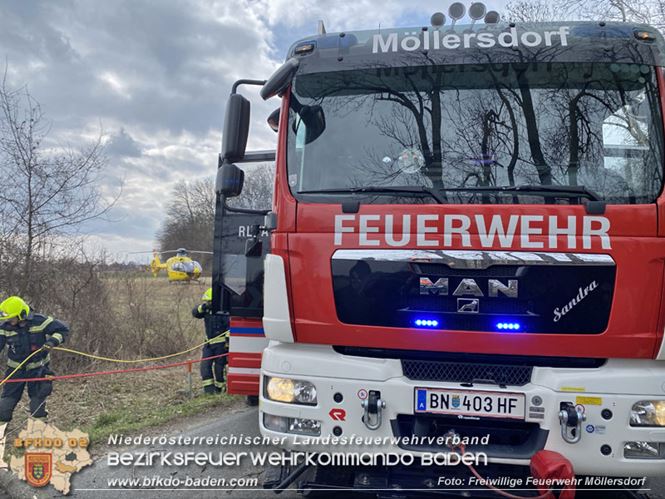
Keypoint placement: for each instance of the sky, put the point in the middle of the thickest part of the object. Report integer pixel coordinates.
(152, 78)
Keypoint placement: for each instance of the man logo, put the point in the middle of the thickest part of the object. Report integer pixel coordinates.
(468, 305)
(469, 287)
(37, 468)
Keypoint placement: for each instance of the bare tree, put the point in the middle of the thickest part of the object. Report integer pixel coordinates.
(258, 188)
(192, 201)
(533, 11)
(47, 191)
(616, 10)
(189, 217)
(641, 11)
(190, 214)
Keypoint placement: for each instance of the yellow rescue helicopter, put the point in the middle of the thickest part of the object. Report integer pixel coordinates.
(179, 268)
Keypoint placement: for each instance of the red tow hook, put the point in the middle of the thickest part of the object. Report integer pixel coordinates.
(552, 466)
(551, 469)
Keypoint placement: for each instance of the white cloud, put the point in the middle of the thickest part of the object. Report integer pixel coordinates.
(153, 77)
(115, 83)
(347, 15)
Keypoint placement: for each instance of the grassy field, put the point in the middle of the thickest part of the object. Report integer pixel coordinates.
(159, 318)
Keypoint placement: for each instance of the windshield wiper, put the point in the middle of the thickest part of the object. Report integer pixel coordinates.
(563, 190)
(595, 205)
(375, 189)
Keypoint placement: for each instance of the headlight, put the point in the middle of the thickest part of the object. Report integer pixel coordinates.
(291, 391)
(280, 390)
(648, 413)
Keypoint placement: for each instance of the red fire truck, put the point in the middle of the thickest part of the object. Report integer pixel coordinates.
(467, 238)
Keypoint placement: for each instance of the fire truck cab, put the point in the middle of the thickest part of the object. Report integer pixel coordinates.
(467, 237)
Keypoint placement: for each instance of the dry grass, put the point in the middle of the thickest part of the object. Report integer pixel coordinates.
(155, 320)
(122, 403)
(152, 315)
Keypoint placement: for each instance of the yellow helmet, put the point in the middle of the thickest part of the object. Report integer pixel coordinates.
(207, 296)
(14, 306)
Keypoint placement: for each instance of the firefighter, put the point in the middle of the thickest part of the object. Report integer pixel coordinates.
(217, 331)
(26, 332)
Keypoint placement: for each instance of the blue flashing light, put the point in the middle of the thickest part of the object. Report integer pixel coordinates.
(426, 322)
(508, 326)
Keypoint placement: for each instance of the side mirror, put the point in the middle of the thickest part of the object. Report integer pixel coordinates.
(236, 128)
(280, 79)
(230, 180)
(273, 120)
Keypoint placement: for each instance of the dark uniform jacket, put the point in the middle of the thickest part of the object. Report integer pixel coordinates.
(28, 336)
(216, 325)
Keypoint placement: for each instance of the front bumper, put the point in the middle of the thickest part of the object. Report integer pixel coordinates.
(615, 386)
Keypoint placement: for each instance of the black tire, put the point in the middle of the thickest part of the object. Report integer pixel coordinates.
(252, 400)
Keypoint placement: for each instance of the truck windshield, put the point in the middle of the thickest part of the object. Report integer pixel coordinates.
(461, 130)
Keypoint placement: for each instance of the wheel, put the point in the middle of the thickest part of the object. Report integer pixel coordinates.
(252, 400)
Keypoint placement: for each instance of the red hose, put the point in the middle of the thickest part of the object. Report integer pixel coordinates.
(501, 492)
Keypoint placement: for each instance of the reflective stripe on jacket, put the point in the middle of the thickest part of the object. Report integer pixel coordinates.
(221, 338)
(30, 335)
(30, 365)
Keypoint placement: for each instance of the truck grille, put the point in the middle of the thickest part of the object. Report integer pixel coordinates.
(524, 287)
(461, 372)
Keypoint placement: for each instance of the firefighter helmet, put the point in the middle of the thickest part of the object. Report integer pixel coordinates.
(207, 296)
(14, 306)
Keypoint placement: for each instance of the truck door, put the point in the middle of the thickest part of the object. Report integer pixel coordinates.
(244, 247)
(243, 198)
(239, 280)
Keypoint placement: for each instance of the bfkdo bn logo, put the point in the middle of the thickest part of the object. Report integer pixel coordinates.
(38, 466)
(46, 455)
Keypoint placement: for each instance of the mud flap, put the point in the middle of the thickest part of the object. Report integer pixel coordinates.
(273, 476)
(285, 474)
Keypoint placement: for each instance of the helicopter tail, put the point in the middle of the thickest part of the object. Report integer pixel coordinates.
(155, 264)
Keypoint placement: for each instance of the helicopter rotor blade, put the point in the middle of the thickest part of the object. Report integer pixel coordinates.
(165, 251)
(187, 251)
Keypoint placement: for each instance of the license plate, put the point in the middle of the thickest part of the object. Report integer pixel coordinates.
(469, 403)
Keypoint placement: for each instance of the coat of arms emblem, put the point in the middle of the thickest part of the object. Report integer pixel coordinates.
(456, 401)
(38, 468)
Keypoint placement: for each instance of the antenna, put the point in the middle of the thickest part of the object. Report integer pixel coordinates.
(321, 28)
